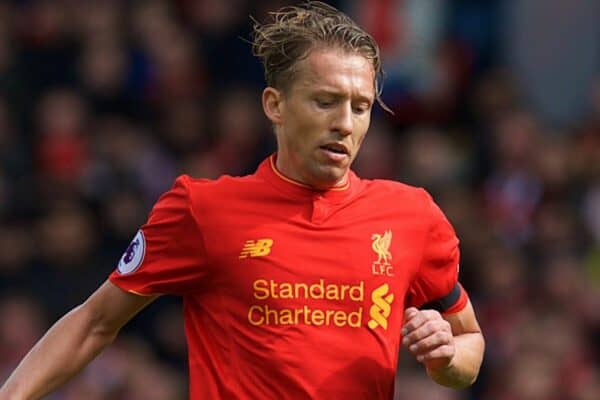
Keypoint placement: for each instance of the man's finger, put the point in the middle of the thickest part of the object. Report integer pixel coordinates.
(410, 312)
(445, 352)
(419, 318)
(429, 343)
(429, 328)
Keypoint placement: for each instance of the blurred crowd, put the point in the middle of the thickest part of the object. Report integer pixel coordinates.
(103, 103)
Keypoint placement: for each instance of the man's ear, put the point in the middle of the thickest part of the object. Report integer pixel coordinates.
(272, 100)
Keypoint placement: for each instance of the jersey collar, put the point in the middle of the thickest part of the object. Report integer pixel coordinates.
(268, 170)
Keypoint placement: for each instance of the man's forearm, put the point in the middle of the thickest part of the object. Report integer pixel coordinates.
(464, 368)
(63, 351)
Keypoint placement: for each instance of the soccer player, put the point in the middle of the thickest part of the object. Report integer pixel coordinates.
(301, 280)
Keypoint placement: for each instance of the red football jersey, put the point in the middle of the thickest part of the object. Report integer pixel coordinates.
(291, 293)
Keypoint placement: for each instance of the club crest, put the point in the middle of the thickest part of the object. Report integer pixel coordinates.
(381, 246)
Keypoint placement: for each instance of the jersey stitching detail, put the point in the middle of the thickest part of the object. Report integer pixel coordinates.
(345, 186)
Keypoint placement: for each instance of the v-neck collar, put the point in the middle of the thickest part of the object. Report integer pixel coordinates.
(268, 171)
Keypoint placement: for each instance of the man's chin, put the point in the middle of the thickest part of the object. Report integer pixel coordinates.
(330, 178)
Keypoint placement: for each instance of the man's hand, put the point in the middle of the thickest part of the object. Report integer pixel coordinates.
(429, 338)
(451, 347)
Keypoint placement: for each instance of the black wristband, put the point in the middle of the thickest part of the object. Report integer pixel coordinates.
(445, 302)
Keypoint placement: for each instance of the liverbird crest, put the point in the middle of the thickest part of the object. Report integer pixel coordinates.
(381, 247)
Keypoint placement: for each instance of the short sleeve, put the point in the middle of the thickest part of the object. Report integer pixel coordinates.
(167, 255)
(436, 284)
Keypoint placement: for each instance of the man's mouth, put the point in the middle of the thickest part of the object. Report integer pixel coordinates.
(336, 148)
(336, 152)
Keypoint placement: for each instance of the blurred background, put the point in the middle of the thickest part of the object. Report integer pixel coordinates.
(496, 112)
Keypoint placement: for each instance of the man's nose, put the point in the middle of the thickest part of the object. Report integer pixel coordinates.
(343, 122)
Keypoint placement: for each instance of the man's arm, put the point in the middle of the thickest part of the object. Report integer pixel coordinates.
(72, 342)
(451, 346)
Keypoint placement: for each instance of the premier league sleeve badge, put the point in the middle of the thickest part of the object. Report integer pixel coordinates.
(134, 254)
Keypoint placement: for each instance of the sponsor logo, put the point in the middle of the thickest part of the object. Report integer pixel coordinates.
(319, 303)
(134, 254)
(301, 297)
(381, 308)
(256, 248)
(381, 247)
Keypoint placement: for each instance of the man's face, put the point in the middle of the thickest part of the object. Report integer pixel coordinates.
(323, 117)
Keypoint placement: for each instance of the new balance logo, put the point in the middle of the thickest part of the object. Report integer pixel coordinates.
(256, 248)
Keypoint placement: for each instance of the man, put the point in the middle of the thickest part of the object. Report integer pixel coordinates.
(301, 280)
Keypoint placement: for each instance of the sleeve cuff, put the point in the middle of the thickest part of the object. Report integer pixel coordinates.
(453, 302)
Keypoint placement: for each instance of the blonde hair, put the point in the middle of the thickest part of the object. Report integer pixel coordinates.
(294, 31)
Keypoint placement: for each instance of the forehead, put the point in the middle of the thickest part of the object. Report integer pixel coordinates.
(336, 69)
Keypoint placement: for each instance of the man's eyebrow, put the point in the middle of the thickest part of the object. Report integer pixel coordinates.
(329, 93)
(340, 94)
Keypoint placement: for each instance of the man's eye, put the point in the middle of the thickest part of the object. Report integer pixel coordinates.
(324, 103)
(360, 109)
